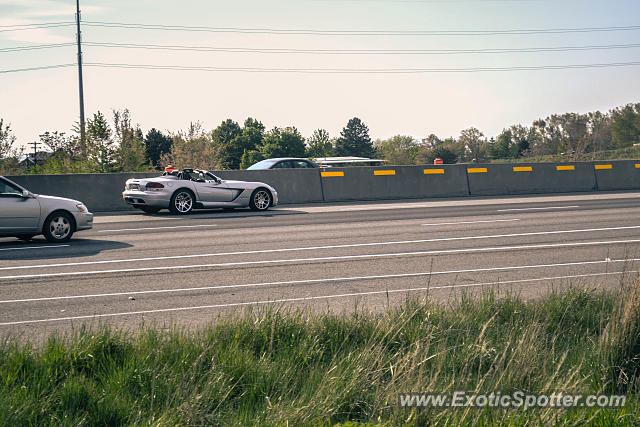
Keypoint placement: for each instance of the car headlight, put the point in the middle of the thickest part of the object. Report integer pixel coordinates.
(82, 208)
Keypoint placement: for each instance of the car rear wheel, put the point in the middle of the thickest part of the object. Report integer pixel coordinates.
(260, 199)
(58, 227)
(149, 209)
(182, 202)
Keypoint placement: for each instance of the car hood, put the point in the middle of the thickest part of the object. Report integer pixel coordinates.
(46, 199)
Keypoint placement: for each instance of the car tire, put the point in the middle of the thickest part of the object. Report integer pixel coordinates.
(149, 209)
(260, 199)
(25, 237)
(182, 202)
(58, 227)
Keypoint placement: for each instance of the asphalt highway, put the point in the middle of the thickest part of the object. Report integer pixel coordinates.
(134, 268)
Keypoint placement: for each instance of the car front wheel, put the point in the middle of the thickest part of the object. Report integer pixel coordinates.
(182, 202)
(260, 200)
(58, 227)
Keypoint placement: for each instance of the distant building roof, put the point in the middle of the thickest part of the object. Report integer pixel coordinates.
(41, 156)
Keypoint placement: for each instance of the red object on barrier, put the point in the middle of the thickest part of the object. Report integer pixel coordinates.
(438, 161)
(169, 168)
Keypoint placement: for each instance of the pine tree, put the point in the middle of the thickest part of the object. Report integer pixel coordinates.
(354, 140)
(101, 148)
(156, 144)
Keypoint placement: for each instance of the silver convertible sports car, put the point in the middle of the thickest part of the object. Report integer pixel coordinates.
(188, 189)
(24, 214)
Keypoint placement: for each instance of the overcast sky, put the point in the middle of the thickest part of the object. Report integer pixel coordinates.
(415, 104)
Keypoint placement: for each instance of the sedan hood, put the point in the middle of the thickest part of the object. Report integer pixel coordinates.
(54, 198)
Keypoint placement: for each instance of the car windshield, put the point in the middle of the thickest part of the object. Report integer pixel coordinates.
(209, 177)
(7, 189)
(265, 164)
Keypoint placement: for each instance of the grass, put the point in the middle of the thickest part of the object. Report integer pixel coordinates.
(276, 367)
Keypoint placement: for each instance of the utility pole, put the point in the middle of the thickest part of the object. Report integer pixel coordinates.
(80, 85)
(35, 152)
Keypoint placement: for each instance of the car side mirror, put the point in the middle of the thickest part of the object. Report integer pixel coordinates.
(26, 194)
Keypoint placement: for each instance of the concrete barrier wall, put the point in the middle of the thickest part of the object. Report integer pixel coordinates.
(103, 192)
(100, 192)
(618, 175)
(496, 179)
(394, 182)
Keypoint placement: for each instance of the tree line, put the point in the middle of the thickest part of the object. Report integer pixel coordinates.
(120, 146)
(117, 145)
(569, 136)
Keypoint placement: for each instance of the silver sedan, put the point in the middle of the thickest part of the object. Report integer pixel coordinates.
(25, 215)
(183, 191)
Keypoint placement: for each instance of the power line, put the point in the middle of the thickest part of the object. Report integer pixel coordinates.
(359, 32)
(360, 70)
(329, 51)
(44, 67)
(431, 1)
(362, 51)
(333, 70)
(35, 47)
(34, 26)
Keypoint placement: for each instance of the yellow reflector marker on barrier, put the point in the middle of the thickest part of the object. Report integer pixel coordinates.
(388, 172)
(637, 165)
(433, 171)
(566, 168)
(476, 170)
(522, 169)
(604, 166)
(328, 174)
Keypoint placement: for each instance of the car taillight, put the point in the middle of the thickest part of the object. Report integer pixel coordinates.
(153, 186)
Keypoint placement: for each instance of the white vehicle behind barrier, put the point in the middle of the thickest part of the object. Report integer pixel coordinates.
(25, 215)
(183, 191)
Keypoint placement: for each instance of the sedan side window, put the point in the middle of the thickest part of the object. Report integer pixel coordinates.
(302, 164)
(8, 190)
(282, 165)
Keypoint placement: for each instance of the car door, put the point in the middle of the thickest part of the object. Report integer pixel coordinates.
(17, 213)
(211, 190)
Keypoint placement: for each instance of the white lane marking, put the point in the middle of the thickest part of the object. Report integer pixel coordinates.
(471, 222)
(158, 228)
(129, 217)
(282, 261)
(255, 285)
(285, 300)
(353, 245)
(537, 209)
(34, 247)
(466, 201)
